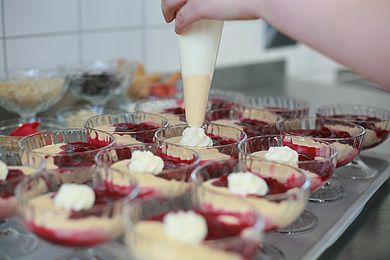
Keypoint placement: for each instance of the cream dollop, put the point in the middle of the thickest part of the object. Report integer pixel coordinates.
(283, 154)
(245, 183)
(188, 227)
(74, 197)
(195, 136)
(145, 162)
(3, 171)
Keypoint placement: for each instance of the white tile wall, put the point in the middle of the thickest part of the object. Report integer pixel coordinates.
(1, 20)
(45, 33)
(42, 52)
(1, 56)
(162, 51)
(113, 45)
(153, 13)
(39, 16)
(97, 14)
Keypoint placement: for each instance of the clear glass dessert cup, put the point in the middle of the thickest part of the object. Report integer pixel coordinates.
(170, 108)
(13, 243)
(7, 127)
(28, 92)
(67, 148)
(345, 136)
(78, 229)
(225, 140)
(129, 128)
(287, 107)
(280, 207)
(99, 81)
(77, 115)
(253, 121)
(173, 180)
(376, 122)
(230, 234)
(319, 164)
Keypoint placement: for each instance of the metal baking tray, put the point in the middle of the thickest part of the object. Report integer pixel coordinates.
(333, 219)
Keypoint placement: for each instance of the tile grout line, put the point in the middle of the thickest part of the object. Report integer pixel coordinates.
(80, 37)
(5, 56)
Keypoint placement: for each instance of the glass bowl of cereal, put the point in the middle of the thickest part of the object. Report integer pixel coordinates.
(30, 91)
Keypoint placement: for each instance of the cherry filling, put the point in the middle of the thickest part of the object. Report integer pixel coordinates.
(218, 140)
(14, 176)
(175, 110)
(323, 132)
(143, 132)
(254, 127)
(219, 103)
(78, 154)
(368, 122)
(287, 113)
(26, 129)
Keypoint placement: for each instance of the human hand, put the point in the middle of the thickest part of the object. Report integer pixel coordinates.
(186, 12)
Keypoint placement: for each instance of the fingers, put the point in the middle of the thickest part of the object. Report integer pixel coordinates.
(170, 8)
(191, 12)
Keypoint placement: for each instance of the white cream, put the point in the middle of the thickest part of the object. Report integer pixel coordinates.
(245, 183)
(158, 105)
(188, 227)
(3, 171)
(195, 136)
(198, 52)
(283, 154)
(74, 197)
(145, 162)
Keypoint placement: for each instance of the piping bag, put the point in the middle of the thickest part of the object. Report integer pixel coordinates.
(198, 53)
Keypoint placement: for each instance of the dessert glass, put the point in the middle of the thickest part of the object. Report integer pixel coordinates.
(12, 242)
(280, 207)
(345, 136)
(28, 92)
(11, 143)
(83, 229)
(288, 108)
(220, 98)
(67, 148)
(77, 115)
(170, 108)
(318, 163)
(231, 234)
(253, 121)
(173, 180)
(375, 121)
(225, 139)
(99, 81)
(129, 128)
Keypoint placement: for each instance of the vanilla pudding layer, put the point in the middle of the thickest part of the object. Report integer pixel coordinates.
(52, 149)
(124, 138)
(205, 154)
(149, 242)
(172, 119)
(277, 214)
(47, 215)
(8, 205)
(146, 181)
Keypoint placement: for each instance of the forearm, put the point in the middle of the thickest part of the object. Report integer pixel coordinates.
(353, 32)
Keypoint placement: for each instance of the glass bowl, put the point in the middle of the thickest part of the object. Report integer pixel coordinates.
(172, 181)
(99, 81)
(225, 139)
(67, 148)
(129, 128)
(376, 122)
(77, 115)
(253, 121)
(79, 229)
(28, 92)
(13, 243)
(318, 163)
(11, 143)
(288, 108)
(170, 108)
(345, 136)
(229, 234)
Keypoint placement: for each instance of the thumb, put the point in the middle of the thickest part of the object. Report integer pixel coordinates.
(191, 12)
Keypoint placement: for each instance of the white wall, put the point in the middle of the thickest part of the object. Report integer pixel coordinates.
(44, 33)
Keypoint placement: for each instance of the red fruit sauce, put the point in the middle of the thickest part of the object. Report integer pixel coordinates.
(26, 129)
(143, 132)
(14, 176)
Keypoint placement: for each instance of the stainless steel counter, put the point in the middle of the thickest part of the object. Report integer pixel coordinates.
(369, 235)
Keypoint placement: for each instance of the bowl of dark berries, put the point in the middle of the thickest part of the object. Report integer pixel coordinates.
(100, 81)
